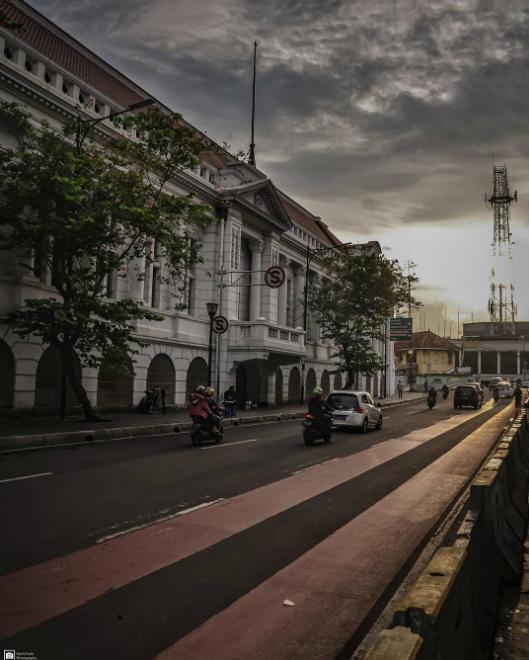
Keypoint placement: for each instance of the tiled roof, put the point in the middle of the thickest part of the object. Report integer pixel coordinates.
(425, 340)
(214, 158)
(69, 57)
(309, 222)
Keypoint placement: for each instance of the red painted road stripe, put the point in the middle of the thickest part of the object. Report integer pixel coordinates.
(335, 584)
(38, 593)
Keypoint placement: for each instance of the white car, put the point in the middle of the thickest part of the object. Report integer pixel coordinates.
(355, 410)
(505, 389)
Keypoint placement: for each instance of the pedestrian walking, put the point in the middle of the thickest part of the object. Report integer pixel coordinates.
(426, 388)
(163, 394)
(400, 389)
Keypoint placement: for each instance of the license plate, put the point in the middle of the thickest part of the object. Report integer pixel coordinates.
(340, 416)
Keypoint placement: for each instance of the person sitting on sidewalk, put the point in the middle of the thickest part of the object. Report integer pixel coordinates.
(230, 401)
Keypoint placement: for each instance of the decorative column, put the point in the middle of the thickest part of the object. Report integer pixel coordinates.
(498, 363)
(518, 363)
(479, 363)
(137, 279)
(255, 292)
(282, 296)
(299, 288)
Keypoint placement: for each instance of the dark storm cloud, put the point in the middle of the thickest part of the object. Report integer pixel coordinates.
(387, 109)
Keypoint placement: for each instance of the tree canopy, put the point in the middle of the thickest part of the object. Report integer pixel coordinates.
(352, 304)
(83, 210)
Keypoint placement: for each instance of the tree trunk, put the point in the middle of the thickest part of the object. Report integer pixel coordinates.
(350, 379)
(74, 377)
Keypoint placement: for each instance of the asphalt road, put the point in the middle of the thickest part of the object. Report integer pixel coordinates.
(88, 494)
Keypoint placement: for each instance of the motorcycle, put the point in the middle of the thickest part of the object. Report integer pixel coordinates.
(430, 401)
(313, 431)
(445, 393)
(203, 431)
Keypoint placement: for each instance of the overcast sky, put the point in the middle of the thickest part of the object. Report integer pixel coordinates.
(382, 117)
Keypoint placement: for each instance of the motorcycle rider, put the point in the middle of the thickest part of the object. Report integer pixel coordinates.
(432, 394)
(445, 391)
(214, 407)
(495, 392)
(319, 408)
(199, 407)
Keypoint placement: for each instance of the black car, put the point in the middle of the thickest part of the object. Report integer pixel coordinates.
(467, 395)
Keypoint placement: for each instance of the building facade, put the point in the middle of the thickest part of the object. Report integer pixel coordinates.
(426, 354)
(54, 77)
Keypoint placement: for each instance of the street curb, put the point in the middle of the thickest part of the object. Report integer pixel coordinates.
(87, 436)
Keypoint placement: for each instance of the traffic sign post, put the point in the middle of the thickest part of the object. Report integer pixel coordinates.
(400, 329)
(219, 325)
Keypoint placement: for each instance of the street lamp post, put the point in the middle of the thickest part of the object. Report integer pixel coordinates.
(84, 125)
(212, 310)
(310, 254)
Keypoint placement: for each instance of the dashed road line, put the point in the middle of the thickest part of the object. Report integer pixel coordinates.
(230, 444)
(27, 476)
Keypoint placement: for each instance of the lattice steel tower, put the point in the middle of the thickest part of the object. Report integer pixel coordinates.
(500, 201)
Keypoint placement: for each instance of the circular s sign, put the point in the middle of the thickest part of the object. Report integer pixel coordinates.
(275, 276)
(219, 325)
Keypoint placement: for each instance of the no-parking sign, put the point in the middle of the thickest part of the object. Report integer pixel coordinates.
(219, 325)
(275, 276)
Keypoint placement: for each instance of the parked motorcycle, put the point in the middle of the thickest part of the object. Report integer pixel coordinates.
(430, 401)
(203, 431)
(314, 430)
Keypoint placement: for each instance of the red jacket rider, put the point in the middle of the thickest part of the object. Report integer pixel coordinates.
(198, 405)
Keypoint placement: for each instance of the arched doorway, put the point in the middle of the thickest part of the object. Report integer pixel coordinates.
(7, 375)
(248, 383)
(294, 385)
(48, 382)
(279, 386)
(338, 381)
(115, 383)
(325, 383)
(310, 383)
(161, 373)
(197, 374)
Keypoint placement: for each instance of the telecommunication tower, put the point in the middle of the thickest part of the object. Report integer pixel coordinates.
(500, 202)
(502, 309)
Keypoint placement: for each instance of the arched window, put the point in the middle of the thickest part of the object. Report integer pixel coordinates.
(48, 382)
(325, 383)
(197, 374)
(7, 375)
(115, 383)
(294, 385)
(310, 383)
(161, 373)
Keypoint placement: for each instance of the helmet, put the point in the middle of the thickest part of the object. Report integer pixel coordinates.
(317, 391)
(210, 391)
(200, 389)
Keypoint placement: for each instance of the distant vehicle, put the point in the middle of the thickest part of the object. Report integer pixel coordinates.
(505, 389)
(355, 410)
(480, 390)
(494, 381)
(467, 395)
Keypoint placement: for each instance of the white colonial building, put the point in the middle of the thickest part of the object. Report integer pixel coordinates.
(52, 75)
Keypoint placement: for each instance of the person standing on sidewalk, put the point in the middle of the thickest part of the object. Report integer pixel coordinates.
(230, 400)
(400, 389)
(517, 395)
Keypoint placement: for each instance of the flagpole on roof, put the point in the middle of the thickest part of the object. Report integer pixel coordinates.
(251, 157)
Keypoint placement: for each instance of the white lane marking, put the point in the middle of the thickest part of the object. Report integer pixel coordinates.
(27, 476)
(230, 444)
(311, 467)
(159, 520)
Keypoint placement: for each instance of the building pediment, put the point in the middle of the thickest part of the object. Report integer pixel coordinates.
(260, 197)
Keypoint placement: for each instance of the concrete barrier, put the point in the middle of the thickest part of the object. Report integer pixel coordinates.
(452, 605)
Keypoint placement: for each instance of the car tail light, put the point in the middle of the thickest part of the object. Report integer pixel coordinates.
(309, 416)
(359, 409)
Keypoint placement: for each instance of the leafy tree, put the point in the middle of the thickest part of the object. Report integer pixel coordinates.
(83, 211)
(353, 304)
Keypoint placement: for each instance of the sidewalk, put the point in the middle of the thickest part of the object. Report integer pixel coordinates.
(33, 431)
